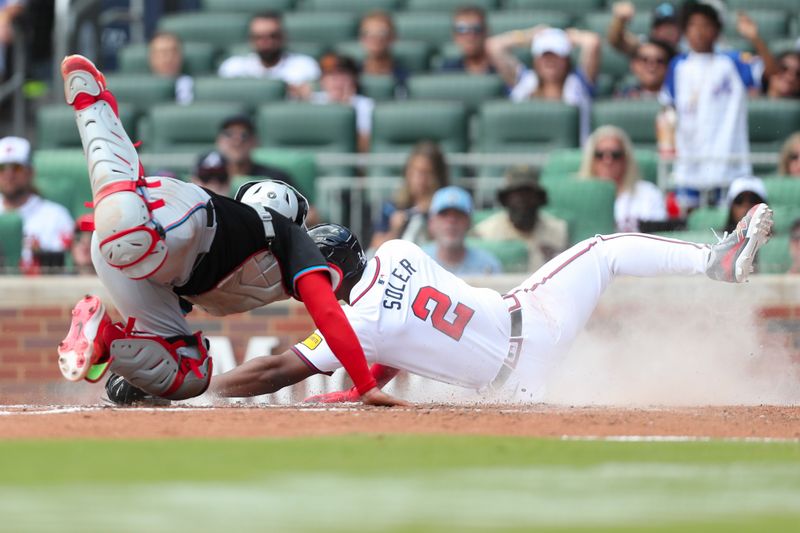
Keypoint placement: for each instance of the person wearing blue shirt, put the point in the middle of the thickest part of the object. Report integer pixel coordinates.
(449, 221)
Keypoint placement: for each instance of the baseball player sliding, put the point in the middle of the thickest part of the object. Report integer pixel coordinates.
(411, 314)
(161, 246)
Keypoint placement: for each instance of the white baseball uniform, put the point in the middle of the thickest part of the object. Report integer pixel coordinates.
(411, 314)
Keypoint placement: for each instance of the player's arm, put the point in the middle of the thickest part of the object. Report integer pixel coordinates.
(383, 374)
(261, 375)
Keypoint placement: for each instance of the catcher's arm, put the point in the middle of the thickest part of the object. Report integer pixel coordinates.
(262, 375)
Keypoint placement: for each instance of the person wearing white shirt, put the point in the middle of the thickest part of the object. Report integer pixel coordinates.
(608, 155)
(47, 227)
(269, 58)
(552, 76)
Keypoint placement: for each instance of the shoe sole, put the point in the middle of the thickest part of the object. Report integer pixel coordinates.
(758, 233)
(80, 76)
(75, 352)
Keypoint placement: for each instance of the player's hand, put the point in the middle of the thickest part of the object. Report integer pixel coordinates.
(376, 396)
(746, 26)
(623, 10)
(342, 396)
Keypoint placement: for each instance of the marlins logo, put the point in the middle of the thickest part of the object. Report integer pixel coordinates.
(312, 341)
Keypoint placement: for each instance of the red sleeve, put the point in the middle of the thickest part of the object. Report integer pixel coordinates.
(316, 292)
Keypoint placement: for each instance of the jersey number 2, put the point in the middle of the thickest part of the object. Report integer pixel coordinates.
(454, 329)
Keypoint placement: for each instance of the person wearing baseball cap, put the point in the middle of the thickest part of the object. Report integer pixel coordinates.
(450, 218)
(744, 193)
(523, 197)
(47, 227)
(552, 76)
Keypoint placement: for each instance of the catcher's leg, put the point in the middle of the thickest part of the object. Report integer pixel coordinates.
(121, 392)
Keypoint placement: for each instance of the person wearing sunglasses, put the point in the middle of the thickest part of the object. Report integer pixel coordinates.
(608, 155)
(789, 164)
(649, 67)
(469, 35)
(270, 59)
(785, 81)
(47, 227)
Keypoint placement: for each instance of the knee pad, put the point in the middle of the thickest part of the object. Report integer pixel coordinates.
(177, 368)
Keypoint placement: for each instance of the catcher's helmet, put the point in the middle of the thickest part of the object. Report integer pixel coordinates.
(276, 195)
(340, 248)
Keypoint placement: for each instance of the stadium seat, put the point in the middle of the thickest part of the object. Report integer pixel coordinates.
(397, 126)
(598, 22)
(773, 257)
(251, 92)
(315, 50)
(302, 167)
(573, 7)
(783, 217)
(472, 90)
(772, 24)
(613, 62)
(783, 191)
(566, 163)
(789, 6)
(641, 5)
(706, 218)
(141, 91)
(62, 176)
(589, 203)
(512, 254)
(771, 122)
(307, 127)
(198, 58)
(379, 88)
(359, 7)
(413, 55)
(10, 241)
(503, 21)
(185, 128)
(636, 117)
(433, 27)
(449, 5)
(219, 29)
(778, 46)
(55, 125)
(250, 7)
(532, 126)
(326, 28)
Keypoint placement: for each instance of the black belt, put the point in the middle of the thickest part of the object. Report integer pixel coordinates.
(514, 342)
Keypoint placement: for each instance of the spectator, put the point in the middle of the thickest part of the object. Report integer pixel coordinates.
(407, 216)
(47, 226)
(448, 224)
(649, 66)
(339, 84)
(608, 155)
(708, 91)
(790, 157)
(552, 76)
(523, 219)
(794, 247)
(469, 34)
(664, 27)
(743, 194)
(211, 172)
(785, 81)
(81, 248)
(377, 35)
(10, 10)
(269, 58)
(165, 56)
(236, 140)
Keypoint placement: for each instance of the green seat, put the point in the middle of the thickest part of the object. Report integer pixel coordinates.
(56, 128)
(573, 7)
(773, 257)
(790, 6)
(772, 24)
(326, 28)
(588, 203)
(63, 177)
(778, 46)
(301, 166)
(613, 62)
(503, 21)
(636, 117)
(448, 5)
(141, 91)
(219, 29)
(598, 22)
(531, 126)
(397, 126)
(315, 50)
(359, 7)
(512, 254)
(198, 58)
(706, 218)
(783, 191)
(699, 236)
(185, 128)
(642, 5)
(434, 28)
(10, 241)
(771, 122)
(251, 92)
(566, 163)
(250, 7)
(783, 217)
(413, 55)
(379, 88)
(470, 89)
(479, 215)
(307, 127)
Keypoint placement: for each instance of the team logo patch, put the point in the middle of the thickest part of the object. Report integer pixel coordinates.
(312, 341)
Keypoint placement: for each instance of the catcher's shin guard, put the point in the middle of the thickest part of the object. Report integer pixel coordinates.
(176, 369)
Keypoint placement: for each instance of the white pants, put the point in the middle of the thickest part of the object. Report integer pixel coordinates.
(558, 299)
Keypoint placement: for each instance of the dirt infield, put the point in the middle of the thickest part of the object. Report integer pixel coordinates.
(770, 422)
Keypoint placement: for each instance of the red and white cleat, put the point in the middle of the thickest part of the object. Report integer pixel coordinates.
(83, 346)
(83, 83)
